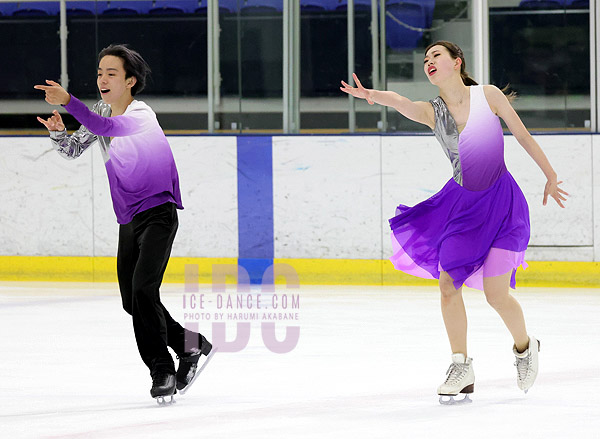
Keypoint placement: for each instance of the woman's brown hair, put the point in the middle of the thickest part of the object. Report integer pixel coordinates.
(456, 52)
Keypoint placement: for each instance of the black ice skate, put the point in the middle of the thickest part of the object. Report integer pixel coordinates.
(163, 385)
(189, 370)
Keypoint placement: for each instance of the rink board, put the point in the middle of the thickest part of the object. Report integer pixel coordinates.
(310, 271)
(318, 203)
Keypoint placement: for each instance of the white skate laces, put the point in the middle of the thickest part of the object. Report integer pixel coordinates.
(527, 364)
(460, 379)
(456, 372)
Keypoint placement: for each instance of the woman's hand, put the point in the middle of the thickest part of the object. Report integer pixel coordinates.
(53, 123)
(555, 192)
(55, 94)
(359, 91)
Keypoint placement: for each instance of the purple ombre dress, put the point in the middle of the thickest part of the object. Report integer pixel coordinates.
(478, 225)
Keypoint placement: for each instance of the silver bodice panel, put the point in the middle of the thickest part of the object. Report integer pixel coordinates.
(446, 132)
(71, 147)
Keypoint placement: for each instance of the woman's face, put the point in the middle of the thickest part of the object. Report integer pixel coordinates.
(439, 65)
(111, 79)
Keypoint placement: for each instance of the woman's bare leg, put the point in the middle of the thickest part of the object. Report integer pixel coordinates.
(496, 291)
(455, 316)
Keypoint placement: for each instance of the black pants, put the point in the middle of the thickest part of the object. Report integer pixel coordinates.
(144, 249)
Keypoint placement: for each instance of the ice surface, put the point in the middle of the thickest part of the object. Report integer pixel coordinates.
(367, 364)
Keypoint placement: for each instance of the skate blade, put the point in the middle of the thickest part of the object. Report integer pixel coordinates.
(449, 400)
(163, 402)
(199, 371)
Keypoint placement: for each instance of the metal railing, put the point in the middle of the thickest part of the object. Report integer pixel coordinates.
(479, 11)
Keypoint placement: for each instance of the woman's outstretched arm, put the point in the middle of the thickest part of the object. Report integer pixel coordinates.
(501, 106)
(418, 111)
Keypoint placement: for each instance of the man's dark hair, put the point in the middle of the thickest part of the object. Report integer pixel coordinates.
(133, 63)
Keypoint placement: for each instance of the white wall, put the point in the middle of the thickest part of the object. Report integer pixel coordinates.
(332, 196)
(326, 197)
(596, 194)
(58, 207)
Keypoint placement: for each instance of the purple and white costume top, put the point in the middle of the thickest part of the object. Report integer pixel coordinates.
(477, 165)
(477, 225)
(139, 161)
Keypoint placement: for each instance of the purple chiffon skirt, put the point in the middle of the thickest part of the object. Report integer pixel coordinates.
(468, 234)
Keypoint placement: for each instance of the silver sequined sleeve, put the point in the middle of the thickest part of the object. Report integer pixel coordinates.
(71, 147)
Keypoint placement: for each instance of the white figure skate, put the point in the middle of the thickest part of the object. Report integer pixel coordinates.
(460, 379)
(527, 364)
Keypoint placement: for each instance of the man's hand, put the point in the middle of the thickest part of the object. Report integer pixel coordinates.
(55, 94)
(54, 122)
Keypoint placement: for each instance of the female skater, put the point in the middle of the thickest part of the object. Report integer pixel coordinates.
(144, 186)
(476, 229)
